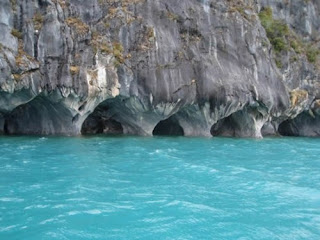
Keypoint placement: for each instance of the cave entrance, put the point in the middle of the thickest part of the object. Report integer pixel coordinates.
(243, 123)
(168, 127)
(100, 125)
(224, 127)
(40, 116)
(101, 121)
(104, 119)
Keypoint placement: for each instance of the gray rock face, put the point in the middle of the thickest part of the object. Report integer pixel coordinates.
(183, 67)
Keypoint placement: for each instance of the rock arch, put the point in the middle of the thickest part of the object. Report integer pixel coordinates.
(40, 116)
(100, 122)
(247, 122)
(168, 127)
(49, 114)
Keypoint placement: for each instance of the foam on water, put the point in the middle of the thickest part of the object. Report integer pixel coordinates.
(159, 188)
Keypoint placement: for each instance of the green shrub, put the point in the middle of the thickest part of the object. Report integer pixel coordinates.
(266, 17)
(282, 38)
(276, 30)
(312, 54)
(118, 52)
(279, 44)
(13, 4)
(37, 21)
(278, 63)
(296, 45)
(16, 33)
(78, 25)
(104, 48)
(293, 59)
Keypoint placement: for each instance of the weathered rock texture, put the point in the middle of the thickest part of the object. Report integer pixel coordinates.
(180, 67)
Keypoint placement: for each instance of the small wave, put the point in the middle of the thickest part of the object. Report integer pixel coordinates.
(129, 207)
(172, 150)
(6, 199)
(194, 206)
(76, 199)
(23, 147)
(157, 219)
(38, 206)
(162, 151)
(70, 192)
(48, 221)
(201, 168)
(90, 189)
(8, 228)
(35, 186)
(93, 212)
(59, 206)
(72, 213)
(173, 203)
(119, 181)
(238, 170)
(157, 151)
(156, 201)
(142, 195)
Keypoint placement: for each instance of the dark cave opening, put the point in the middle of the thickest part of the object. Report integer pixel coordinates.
(99, 125)
(242, 123)
(168, 127)
(224, 127)
(304, 125)
(40, 116)
(5, 127)
(103, 120)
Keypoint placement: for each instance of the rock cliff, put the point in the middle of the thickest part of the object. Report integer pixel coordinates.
(179, 67)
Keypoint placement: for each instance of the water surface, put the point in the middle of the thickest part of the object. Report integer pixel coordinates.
(159, 188)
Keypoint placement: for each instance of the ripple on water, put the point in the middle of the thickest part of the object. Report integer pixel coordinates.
(93, 212)
(8, 228)
(8, 199)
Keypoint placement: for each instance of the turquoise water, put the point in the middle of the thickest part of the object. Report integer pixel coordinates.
(159, 188)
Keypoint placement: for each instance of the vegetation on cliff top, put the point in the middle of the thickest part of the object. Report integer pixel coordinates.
(282, 38)
(276, 30)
